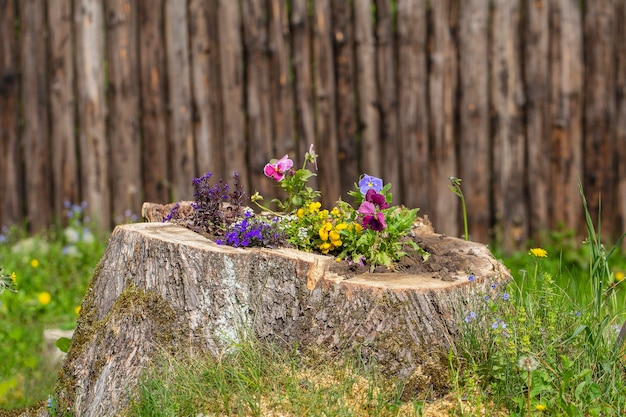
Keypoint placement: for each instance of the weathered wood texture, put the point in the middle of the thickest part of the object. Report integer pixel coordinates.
(62, 105)
(413, 148)
(231, 86)
(567, 109)
(325, 100)
(508, 139)
(599, 146)
(180, 143)
(537, 92)
(443, 126)
(621, 113)
(258, 98)
(162, 288)
(34, 99)
(474, 113)
(347, 118)
(152, 78)
(206, 98)
(123, 98)
(519, 99)
(91, 110)
(11, 174)
(369, 115)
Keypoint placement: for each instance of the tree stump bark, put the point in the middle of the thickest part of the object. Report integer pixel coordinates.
(163, 288)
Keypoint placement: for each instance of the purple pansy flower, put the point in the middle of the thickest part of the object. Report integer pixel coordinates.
(378, 199)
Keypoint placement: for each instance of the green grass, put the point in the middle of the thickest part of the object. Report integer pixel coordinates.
(51, 271)
(257, 379)
(547, 339)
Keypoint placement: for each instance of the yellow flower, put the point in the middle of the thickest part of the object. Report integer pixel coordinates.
(323, 232)
(77, 310)
(13, 277)
(341, 226)
(538, 252)
(323, 214)
(34, 263)
(44, 298)
(300, 213)
(540, 407)
(325, 247)
(334, 235)
(619, 276)
(358, 227)
(335, 212)
(314, 207)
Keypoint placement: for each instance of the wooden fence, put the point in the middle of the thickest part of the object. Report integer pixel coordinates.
(119, 102)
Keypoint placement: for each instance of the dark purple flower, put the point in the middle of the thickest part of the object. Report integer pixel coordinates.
(378, 199)
(374, 221)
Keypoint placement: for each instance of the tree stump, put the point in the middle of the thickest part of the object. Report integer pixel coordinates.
(163, 288)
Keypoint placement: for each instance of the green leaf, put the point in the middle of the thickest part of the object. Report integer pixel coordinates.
(63, 343)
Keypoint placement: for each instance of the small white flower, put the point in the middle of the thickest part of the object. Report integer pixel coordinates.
(88, 236)
(71, 235)
(302, 233)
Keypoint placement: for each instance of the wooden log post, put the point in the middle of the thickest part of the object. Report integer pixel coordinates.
(163, 288)
(10, 160)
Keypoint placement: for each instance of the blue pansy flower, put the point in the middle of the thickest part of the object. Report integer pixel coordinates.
(369, 182)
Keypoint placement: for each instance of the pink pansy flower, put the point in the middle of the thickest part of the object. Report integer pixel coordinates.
(371, 218)
(276, 169)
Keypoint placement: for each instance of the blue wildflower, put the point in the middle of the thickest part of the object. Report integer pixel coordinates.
(471, 316)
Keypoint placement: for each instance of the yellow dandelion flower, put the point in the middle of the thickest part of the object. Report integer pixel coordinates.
(540, 407)
(13, 277)
(619, 276)
(77, 310)
(44, 298)
(34, 263)
(538, 252)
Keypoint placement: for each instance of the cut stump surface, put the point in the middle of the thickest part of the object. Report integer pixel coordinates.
(163, 288)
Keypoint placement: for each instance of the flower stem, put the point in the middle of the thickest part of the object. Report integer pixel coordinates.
(455, 186)
(263, 208)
